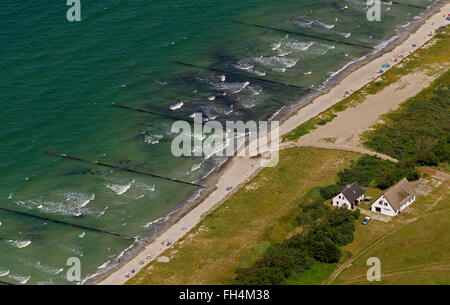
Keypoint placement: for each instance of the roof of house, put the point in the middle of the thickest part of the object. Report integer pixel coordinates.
(352, 192)
(399, 193)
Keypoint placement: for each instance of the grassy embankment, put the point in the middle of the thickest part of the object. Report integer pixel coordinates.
(276, 205)
(414, 248)
(416, 133)
(433, 58)
(259, 215)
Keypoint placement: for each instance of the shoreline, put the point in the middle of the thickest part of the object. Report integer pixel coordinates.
(236, 171)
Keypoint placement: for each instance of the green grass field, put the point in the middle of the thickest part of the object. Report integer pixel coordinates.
(314, 276)
(418, 250)
(238, 232)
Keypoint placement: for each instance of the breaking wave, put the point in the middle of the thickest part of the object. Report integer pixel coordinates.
(19, 244)
(153, 139)
(47, 269)
(63, 203)
(4, 273)
(177, 106)
(21, 279)
(120, 189)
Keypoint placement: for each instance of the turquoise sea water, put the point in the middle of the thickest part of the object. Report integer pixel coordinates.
(59, 80)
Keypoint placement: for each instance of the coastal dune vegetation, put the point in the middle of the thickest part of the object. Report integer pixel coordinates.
(278, 228)
(419, 131)
(260, 215)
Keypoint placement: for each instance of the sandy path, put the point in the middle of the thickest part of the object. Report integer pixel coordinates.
(241, 169)
(376, 242)
(345, 130)
(356, 149)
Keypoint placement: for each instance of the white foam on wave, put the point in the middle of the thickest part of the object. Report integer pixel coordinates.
(327, 26)
(277, 63)
(298, 45)
(276, 46)
(21, 279)
(248, 67)
(75, 250)
(48, 269)
(151, 188)
(276, 113)
(385, 43)
(177, 106)
(147, 225)
(153, 139)
(124, 251)
(102, 212)
(224, 87)
(140, 190)
(281, 70)
(244, 85)
(120, 189)
(243, 65)
(196, 167)
(19, 244)
(64, 203)
(4, 273)
(103, 266)
(324, 48)
(80, 199)
(284, 54)
(294, 46)
(314, 23)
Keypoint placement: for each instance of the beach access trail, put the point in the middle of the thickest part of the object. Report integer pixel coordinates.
(241, 169)
(345, 130)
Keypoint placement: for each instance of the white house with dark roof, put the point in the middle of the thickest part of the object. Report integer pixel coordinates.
(395, 199)
(349, 197)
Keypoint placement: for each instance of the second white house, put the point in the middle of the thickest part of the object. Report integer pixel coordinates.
(395, 199)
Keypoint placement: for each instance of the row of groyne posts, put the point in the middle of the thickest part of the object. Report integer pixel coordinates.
(173, 117)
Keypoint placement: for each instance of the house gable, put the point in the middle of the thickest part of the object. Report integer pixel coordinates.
(349, 196)
(395, 199)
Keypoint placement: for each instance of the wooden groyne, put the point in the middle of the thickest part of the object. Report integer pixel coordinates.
(303, 34)
(405, 4)
(53, 154)
(173, 117)
(244, 76)
(43, 218)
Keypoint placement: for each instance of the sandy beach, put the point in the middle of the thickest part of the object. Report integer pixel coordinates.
(240, 169)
